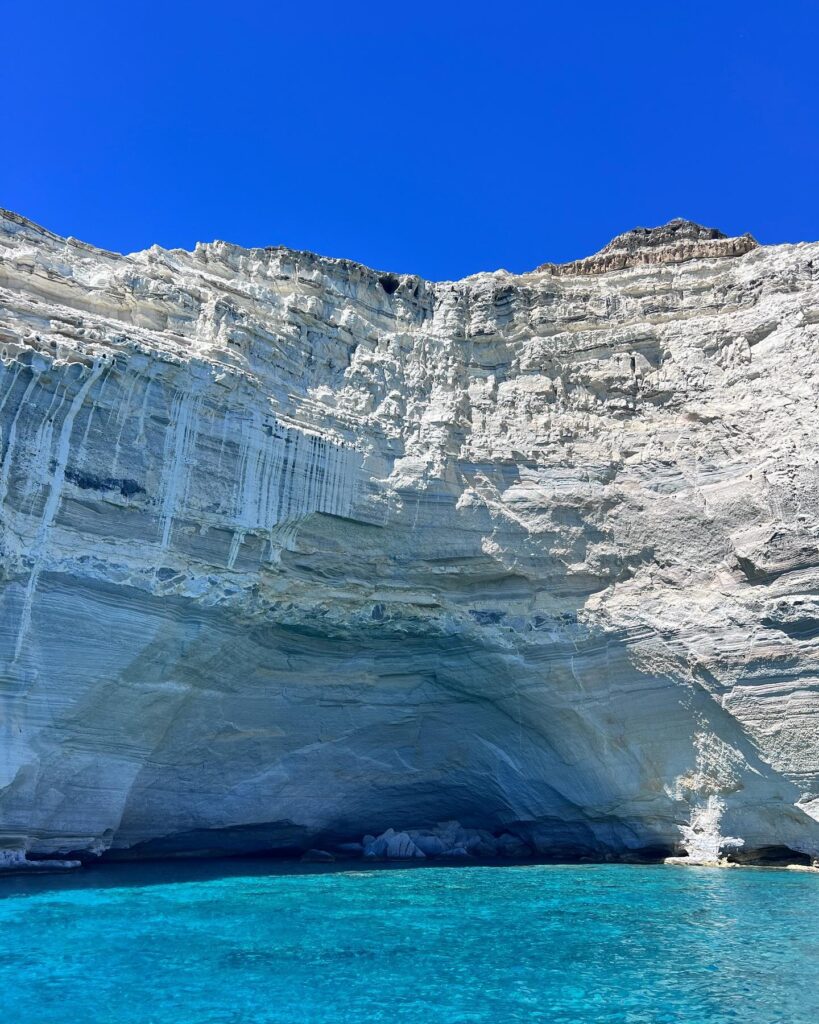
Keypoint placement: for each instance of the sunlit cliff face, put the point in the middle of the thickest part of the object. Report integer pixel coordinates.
(293, 549)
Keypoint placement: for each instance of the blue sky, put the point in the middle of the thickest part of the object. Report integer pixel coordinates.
(440, 139)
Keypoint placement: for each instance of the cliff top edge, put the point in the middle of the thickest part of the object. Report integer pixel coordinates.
(677, 241)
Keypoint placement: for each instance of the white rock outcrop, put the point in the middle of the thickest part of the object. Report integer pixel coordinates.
(292, 550)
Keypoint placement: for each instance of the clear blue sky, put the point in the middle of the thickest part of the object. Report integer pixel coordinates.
(435, 138)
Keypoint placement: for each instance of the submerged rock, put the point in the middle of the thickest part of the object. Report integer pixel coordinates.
(317, 857)
(289, 547)
(16, 861)
(457, 853)
(349, 849)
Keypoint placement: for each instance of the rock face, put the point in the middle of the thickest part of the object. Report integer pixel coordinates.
(675, 242)
(294, 551)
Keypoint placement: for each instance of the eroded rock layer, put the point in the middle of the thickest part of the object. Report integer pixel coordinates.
(293, 551)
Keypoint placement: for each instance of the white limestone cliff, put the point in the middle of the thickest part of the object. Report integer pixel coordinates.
(294, 551)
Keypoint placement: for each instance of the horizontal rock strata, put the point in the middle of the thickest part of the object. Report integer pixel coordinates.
(293, 551)
(675, 242)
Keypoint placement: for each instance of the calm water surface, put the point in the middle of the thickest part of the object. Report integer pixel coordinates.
(253, 944)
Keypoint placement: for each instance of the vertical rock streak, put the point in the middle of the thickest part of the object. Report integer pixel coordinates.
(181, 439)
(54, 485)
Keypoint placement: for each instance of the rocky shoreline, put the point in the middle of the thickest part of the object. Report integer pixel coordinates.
(446, 843)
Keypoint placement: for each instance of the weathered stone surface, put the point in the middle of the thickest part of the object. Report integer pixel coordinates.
(401, 847)
(15, 862)
(446, 839)
(429, 845)
(391, 845)
(675, 242)
(293, 550)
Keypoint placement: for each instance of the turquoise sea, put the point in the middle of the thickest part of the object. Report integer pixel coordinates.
(251, 943)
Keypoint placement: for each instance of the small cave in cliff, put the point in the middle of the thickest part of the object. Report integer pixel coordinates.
(769, 856)
(389, 282)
